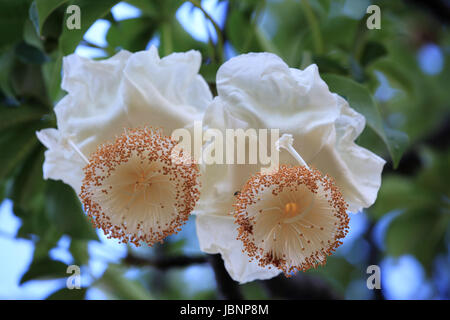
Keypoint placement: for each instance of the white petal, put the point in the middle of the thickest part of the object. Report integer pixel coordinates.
(61, 162)
(213, 230)
(127, 90)
(167, 92)
(92, 88)
(258, 90)
(356, 170)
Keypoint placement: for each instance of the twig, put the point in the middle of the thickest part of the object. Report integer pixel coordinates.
(91, 45)
(220, 40)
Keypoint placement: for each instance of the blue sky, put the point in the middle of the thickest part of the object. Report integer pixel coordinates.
(192, 19)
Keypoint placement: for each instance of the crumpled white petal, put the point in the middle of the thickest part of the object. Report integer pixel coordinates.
(235, 260)
(356, 170)
(258, 90)
(125, 91)
(65, 165)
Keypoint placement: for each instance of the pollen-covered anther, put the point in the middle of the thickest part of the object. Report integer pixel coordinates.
(135, 192)
(292, 219)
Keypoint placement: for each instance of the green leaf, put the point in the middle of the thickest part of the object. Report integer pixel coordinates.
(17, 145)
(397, 142)
(2, 190)
(339, 32)
(28, 83)
(36, 223)
(52, 75)
(114, 283)
(68, 294)
(79, 251)
(64, 210)
(45, 268)
(372, 51)
(175, 39)
(131, 34)
(418, 232)
(31, 37)
(90, 12)
(240, 33)
(337, 270)
(251, 291)
(13, 116)
(175, 247)
(362, 101)
(398, 193)
(13, 15)
(395, 73)
(30, 54)
(329, 65)
(356, 70)
(52, 29)
(28, 185)
(6, 65)
(41, 9)
(148, 7)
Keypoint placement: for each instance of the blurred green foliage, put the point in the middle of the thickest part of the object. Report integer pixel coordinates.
(332, 34)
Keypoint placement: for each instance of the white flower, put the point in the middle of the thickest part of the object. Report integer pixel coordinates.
(125, 91)
(106, 121)
(258, 90)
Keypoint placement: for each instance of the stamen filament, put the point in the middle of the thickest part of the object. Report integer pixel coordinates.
(286, 142)
(78, 151)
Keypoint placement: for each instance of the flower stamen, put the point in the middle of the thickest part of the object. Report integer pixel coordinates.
(286, 142)
(78, 151)
(135, 192)
(292, 219)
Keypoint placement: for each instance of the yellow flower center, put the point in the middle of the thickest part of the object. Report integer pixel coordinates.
(291, 209)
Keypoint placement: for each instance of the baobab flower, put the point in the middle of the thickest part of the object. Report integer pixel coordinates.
(125, 91)
(259, 91)
(135, 192)
(291, 219)
(106, 97)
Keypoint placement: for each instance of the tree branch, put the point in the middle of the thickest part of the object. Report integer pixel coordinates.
(164, 263)
(227, 288)
(220, 41)
(300, 287)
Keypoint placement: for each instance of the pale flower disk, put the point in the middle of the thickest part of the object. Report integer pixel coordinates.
(135, 192)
